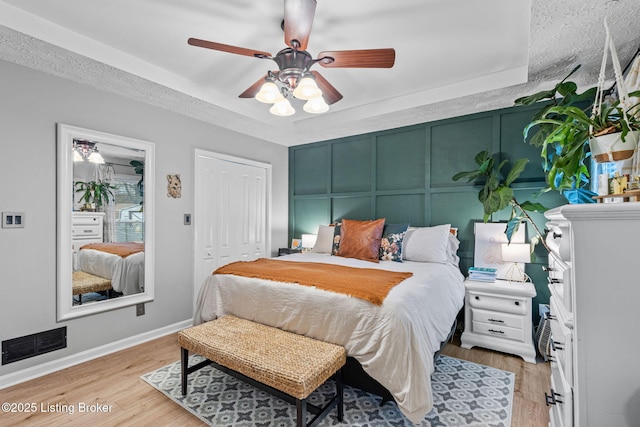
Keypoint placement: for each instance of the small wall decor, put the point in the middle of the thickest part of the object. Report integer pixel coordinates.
(174, 186)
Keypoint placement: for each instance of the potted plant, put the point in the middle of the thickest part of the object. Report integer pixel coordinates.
(95, 194)
(496, 195)
(565, 132)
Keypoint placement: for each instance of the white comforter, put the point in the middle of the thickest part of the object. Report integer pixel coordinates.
(394, 342)
(126, 274)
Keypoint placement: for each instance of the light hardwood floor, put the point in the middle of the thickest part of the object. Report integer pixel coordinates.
(114, 381)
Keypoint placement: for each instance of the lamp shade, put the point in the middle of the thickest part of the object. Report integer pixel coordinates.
(516, 252)
(316, 105)
(269, 93)
(282, 108)
(309, 240)
(307, 89)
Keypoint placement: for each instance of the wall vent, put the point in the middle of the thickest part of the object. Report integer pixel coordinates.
(33, 345)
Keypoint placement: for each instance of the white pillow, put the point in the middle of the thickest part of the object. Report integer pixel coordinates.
(452, 249)
(427, 244)
(324, 241)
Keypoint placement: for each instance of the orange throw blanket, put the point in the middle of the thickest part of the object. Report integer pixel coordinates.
(369, 284)
(123, 249)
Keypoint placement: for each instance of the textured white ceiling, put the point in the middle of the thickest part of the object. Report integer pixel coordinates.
(452, 57)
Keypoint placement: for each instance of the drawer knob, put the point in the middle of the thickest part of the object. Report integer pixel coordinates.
(557, 235)
(496, 332)
(553, 280)
(496, 320)
(517, 302)
(477, 297)
(545, 268)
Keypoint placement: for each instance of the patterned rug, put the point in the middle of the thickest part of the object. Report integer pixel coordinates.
(465, 394)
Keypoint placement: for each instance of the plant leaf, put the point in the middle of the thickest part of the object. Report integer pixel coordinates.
(515, 171)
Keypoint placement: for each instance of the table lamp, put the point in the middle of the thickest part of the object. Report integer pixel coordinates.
(308, 241)
(517, 254)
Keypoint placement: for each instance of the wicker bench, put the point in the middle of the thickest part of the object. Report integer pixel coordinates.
(285, 364)
(84, 283)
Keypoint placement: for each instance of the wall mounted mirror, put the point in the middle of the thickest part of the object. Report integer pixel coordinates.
(105, 221)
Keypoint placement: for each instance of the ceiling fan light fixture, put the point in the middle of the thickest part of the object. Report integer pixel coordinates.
(316, 105)
(96, 157)
(307, 89)
(282, 108)
(269, 93)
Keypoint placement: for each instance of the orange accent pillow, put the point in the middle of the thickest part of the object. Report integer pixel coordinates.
(361, 239)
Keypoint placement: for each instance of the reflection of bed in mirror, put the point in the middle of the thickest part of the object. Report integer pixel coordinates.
(121, 263)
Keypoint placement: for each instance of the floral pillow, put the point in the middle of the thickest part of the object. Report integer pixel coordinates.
(337, 228)
(391, 243)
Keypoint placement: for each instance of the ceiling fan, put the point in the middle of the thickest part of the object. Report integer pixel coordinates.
(294, 77)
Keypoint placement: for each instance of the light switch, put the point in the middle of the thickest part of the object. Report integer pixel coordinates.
(12, 219)
(187, 219)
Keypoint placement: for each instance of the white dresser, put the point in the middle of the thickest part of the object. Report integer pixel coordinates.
(497, 315)
(594, 307)
(86, 227)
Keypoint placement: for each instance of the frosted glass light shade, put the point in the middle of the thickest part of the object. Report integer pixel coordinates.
(95, 157)
(516, 252)
(307, 89)
(316, 105)
(282, 108)
(269, 93)
(77, 157)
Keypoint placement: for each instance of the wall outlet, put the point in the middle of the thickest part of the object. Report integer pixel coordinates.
(12, 219)
(140, 309)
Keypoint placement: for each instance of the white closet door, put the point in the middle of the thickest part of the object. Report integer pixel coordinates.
(230, 215)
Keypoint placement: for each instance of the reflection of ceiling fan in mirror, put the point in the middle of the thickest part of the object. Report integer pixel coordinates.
(293, 77)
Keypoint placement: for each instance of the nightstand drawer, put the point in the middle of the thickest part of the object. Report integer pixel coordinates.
(498, 331)
(86, 231)
(503, 304)
(497, 318)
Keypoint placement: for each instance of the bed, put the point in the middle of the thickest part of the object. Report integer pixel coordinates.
(122, 263)
(393, 342)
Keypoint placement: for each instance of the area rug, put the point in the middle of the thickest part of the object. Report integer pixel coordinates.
(464, 394)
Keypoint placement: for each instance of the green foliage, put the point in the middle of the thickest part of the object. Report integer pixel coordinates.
(562, 131)
(97, 192)
(139, 169)
(497, 195)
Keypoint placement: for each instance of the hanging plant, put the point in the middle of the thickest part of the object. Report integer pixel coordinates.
(139, 169)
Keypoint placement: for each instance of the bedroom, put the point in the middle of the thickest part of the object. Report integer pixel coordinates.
(33, 102)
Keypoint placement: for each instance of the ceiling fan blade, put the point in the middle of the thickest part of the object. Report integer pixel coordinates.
(329, 93)
(228, 48)
(254, 88)
(298, 18)
(365, 58)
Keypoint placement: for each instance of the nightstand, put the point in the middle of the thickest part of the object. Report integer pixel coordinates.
(288, 251)
(498, 316)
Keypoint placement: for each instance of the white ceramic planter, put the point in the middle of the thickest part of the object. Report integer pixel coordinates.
(610, 148)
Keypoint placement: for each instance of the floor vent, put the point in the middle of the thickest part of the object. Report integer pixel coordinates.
(33, 345)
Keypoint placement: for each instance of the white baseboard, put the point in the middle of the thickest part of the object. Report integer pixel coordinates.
(84, 356)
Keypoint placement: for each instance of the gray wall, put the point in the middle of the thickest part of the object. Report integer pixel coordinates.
(31, 103)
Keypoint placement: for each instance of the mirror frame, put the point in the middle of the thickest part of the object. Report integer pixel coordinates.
(65, 136)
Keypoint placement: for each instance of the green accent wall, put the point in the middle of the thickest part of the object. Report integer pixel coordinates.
(404, 175)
